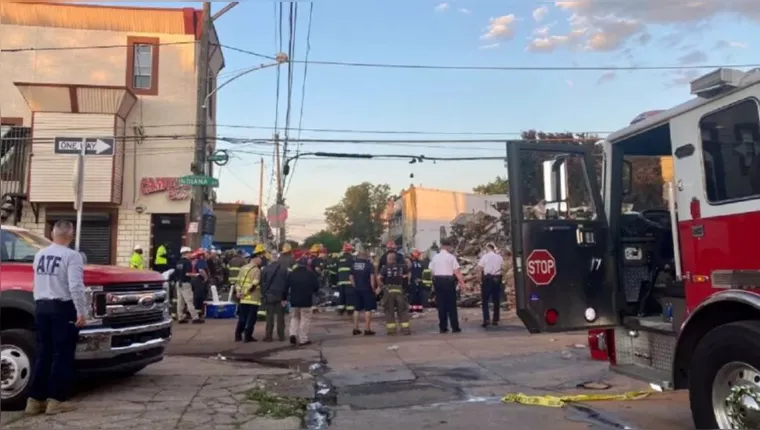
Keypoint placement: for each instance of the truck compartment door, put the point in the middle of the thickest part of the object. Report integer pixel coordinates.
(559, 238)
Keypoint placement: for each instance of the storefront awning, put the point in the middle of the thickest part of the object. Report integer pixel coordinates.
(70, 98)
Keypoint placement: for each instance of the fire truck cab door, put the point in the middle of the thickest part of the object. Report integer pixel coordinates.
(560, 248)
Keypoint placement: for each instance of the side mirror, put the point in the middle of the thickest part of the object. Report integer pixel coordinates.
(627, 178)
(84, 257)
(555, 184)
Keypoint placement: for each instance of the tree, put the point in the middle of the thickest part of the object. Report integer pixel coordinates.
(293, 244)
(497, 186)
(327, 239)
(359, 213)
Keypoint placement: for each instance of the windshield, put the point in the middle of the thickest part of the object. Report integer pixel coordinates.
(20, 245)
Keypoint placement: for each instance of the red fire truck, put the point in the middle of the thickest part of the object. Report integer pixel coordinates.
(672, 284)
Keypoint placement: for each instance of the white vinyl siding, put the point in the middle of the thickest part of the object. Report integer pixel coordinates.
(52, 175)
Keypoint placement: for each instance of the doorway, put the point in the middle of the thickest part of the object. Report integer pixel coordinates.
(169, 230)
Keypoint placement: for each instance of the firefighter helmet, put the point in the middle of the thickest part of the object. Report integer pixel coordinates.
(391, 245)
(286, 248)
(259, 249)
(315, 248)
(415, 253)
(347, 247)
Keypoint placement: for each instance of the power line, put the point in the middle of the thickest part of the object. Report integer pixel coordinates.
(85, 47)
(342, 130)
(303, 94)
(500, 68)
(405, 66)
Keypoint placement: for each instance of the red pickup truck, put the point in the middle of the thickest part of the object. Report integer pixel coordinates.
(128, 327)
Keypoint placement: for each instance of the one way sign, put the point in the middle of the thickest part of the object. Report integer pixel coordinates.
(95, 146)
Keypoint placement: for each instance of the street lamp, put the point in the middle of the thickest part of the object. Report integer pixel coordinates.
(279, 59)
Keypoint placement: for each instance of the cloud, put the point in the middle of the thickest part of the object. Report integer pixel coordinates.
(603, 25)
(681, 77)
(569, 83)
(727, 44)
(645, 38)
(547, 44)
(441, 7)
(489, 46)
(694, 57)
(500, 27)
(606, 77)
(465, 11)
(540, 13)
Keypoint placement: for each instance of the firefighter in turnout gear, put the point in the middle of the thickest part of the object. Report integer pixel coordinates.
(261, 252)
(426, 284)
(417, 291)
(395, 304)
(248, 291)
(345, 266)
(233, 267)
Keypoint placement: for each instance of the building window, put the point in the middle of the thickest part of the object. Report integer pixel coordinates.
(731, 144)
(142, 65)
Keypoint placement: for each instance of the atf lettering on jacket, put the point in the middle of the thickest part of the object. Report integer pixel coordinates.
(49, 265)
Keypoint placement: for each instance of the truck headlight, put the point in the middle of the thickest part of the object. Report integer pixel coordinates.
(96, 305)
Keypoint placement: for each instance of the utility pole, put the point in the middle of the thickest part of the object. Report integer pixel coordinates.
(260, 213)
(280, 199)
(201, 126)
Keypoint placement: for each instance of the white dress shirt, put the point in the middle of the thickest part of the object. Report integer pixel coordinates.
(443, 264)
(491, 263)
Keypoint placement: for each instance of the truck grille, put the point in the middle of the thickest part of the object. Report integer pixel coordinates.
(127, 305)
(131, 319)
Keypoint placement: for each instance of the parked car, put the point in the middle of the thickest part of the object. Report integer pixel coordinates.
(128, 327)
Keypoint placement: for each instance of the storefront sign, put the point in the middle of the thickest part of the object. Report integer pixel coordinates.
(246, 240)
(175, 190)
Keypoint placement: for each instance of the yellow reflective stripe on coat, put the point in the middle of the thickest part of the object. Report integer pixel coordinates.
(405, 325)
(558, 402)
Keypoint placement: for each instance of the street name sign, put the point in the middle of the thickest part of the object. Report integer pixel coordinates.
(95, 145)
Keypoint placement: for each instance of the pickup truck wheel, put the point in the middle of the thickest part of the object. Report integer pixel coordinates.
(724, 378)
(16, 360)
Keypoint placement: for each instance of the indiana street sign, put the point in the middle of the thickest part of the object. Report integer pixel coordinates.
(199, 181)
(95, 145)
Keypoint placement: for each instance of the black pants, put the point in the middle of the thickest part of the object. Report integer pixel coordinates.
(275, 310)
(200, 292)
(246, 320)
(342, 302)
(56, 345)
(446, 300)
(490, 291)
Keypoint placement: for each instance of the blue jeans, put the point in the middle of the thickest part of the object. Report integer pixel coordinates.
(56, 345)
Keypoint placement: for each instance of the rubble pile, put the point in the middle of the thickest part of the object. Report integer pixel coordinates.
(470, 233)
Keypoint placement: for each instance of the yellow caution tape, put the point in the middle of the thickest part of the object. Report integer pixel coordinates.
(558, 402)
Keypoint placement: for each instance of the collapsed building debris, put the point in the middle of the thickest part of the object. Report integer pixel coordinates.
(470, 233)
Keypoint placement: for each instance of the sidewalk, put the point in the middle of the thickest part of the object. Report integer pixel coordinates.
(178, 393)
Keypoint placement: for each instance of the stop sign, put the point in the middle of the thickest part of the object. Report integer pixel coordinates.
(542, 267)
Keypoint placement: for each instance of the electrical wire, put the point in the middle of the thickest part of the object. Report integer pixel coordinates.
(501, 68)
(664, 67)
(338, 130)
(303, 96)
(85, 47)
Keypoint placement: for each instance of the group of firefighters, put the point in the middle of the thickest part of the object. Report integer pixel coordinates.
(398, 284)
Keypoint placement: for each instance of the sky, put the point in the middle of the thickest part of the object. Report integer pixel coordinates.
(484, 104)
